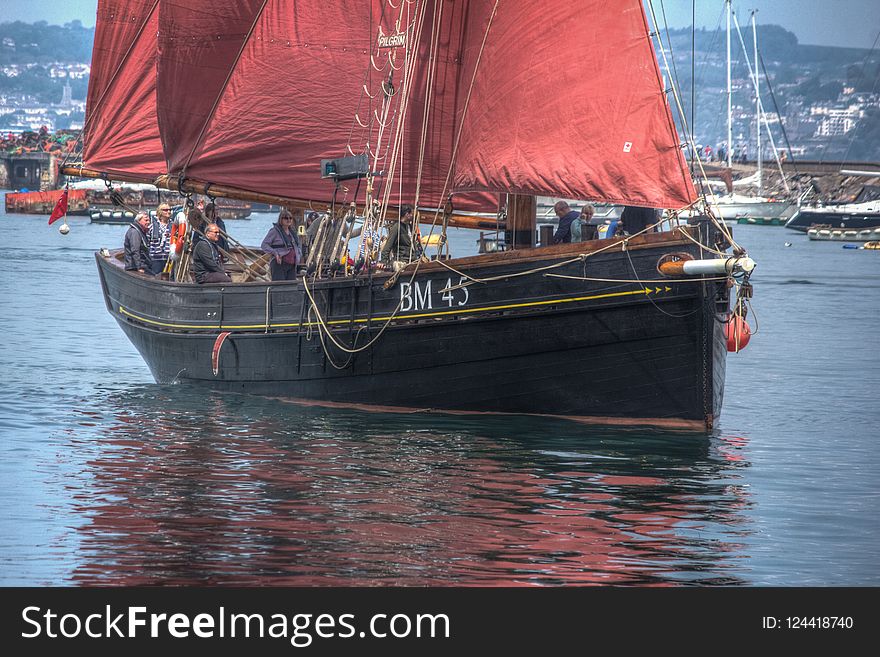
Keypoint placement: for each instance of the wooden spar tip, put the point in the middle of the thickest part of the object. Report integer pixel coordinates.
(729, 265)
(78, 172)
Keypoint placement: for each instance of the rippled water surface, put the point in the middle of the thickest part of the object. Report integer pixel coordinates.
(108, 478)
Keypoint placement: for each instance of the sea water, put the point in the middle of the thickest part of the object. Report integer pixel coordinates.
(109, 478)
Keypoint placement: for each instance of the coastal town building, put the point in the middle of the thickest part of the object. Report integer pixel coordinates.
(834, 121)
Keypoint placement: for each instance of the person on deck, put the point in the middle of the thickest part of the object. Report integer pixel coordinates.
(160, 238)
(583, 230)
(207, 264)
(306, 239)
(282, 242)
(400, 244)
(635, 220)
(211, 217)
(566, 217)
(137, 248)
(368, 245)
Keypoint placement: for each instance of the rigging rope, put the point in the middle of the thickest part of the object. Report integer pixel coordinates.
(322, 324)
(863, 68)
(761, 114)
(623, 243)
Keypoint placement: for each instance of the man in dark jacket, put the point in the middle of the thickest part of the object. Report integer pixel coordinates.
(400, 243)
(207, 263)
(137, 245)
(635, 220)
(566, 216)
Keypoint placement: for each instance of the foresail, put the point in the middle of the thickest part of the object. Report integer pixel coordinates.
(567, 101)
(121, 133)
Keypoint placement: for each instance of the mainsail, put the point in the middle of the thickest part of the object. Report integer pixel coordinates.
(560, 97)
(568, 101)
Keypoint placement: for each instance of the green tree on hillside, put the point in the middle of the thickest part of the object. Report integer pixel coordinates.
(865, 79)
(865, 137)
(27, 43)
(814, 91)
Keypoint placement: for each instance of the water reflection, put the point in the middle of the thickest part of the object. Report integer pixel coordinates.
(191, 487)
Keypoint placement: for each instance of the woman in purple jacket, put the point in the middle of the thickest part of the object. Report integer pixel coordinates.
(283, 244)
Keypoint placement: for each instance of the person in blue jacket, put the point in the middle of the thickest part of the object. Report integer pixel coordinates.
(566, 217)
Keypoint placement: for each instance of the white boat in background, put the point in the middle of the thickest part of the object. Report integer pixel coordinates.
(847, 216)
(753, 209)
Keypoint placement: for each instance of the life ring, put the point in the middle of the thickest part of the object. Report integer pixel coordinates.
(178, 235)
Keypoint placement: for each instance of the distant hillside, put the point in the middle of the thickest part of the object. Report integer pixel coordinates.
(798, 78)
(32, 47)
(28, 43)
(775, 43)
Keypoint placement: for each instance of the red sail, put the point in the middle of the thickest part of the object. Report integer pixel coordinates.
(255, 95)
(568, 101)
(121, 133)
(567, 98)
(199, 43)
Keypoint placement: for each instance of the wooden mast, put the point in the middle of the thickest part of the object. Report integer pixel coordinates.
(521, 221)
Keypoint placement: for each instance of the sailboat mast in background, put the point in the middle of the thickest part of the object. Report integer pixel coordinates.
(729, 96)
(757, 99)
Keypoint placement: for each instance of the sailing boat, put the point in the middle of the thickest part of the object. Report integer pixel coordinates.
(444, 106)
(744, 208)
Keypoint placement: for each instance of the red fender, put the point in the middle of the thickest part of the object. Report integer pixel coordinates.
(738, 333)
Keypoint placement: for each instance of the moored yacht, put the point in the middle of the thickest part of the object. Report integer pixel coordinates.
(850, 216)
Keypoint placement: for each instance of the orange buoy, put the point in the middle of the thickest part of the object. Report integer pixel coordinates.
(738, 333)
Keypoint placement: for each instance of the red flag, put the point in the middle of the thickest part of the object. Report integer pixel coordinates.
(60, 208)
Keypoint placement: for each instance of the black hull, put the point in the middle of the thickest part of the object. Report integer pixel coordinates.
(806, 219)
(602, 352)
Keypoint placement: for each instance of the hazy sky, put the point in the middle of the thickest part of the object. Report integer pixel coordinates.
(854, 23)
